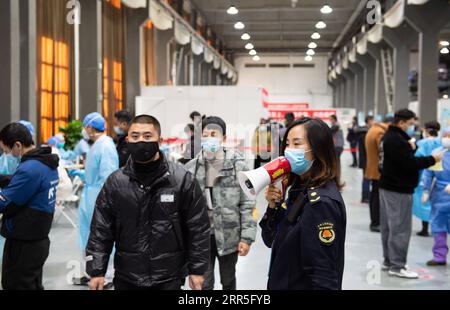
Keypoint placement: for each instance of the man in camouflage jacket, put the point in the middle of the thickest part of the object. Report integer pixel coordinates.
(232, 214)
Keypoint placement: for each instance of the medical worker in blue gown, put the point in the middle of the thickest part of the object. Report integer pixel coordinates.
(101, 161)
(436, 187)
(425, 147)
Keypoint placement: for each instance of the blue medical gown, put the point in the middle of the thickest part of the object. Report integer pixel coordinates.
(101, 161)
(440, 200)
(424, 148)
(80, 149)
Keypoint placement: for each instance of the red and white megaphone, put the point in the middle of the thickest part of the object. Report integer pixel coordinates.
(253, 181)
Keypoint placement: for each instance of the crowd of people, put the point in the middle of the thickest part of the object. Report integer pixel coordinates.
(147, 221)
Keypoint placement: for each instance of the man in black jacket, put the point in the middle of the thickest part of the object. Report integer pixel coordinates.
(27, 203)
(155, 213)
(399, 176)
(121, 124)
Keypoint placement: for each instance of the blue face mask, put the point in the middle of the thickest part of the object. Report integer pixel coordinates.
(299, 164)
(9, 164)
(411, 131)
(119, 131)
(211, 145)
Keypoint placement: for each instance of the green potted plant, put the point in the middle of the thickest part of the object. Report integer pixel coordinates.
(72, 134)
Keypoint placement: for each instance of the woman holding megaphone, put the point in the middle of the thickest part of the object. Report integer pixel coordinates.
(306, 229)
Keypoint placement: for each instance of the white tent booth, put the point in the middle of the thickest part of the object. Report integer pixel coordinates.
(240, 107)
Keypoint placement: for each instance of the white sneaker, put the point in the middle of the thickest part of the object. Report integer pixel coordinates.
(404, 273)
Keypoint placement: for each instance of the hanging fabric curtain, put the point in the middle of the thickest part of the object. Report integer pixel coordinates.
(55, 63)
(224, 68)
(417, 2)
(160, 18)
(345, 61)
(375, 35)
(395, 16)
(149, 54)
(235, 77)
(230, 73)
(113, 50)
(135, 4)
(339, 68)
(361, 46)
(181, 33)
(196, 46)
(216, 62)
(352, 54)
(209, 56)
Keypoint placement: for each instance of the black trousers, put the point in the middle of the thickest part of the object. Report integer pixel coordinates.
(175, 285)
(374, 204)
(227, 267)
(22, 264)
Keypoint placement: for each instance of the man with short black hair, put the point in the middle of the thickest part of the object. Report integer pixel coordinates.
(154, 212)
(122, 121)
(27, 204)
(399, 177)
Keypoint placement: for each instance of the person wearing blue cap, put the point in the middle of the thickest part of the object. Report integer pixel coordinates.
(436, 189)
(101, 161)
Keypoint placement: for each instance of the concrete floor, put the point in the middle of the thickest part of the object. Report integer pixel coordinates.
(363, 252)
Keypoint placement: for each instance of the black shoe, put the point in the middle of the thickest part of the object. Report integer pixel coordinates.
(433, 263)
(423, 233)
(375, 228)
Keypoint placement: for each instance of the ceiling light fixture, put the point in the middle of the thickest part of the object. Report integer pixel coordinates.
(308, 58)
(256, 58)
(444, 43)
(252, 53)
(312, 45)
(310, 52)
(239, 25)
(245, 36)
(321, 25)
(315, 36)
(249, 46)
(232, 10)
(445, 97)
(326, 9)
(445, 51)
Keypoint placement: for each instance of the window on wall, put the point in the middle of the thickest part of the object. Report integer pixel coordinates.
(113, 29)
(54, 90)
(54, 68)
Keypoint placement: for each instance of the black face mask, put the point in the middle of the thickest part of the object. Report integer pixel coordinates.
(143, 152)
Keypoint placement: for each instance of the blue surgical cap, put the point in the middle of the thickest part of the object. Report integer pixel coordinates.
(28, 125)
(95, 120)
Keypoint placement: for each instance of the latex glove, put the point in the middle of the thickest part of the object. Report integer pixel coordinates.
(425, 197)
(80, 173)
(447, 189)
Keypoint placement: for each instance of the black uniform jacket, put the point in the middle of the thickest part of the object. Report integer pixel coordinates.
(307, 250)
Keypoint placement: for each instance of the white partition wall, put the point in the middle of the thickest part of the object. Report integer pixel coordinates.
(240, 107)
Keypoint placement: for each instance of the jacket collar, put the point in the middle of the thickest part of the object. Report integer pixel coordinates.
(399, 131)
(130, 171)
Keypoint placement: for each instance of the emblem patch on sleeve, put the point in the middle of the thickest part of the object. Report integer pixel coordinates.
(326, 233)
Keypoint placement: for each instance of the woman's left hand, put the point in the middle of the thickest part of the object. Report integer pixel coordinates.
(447, 189)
